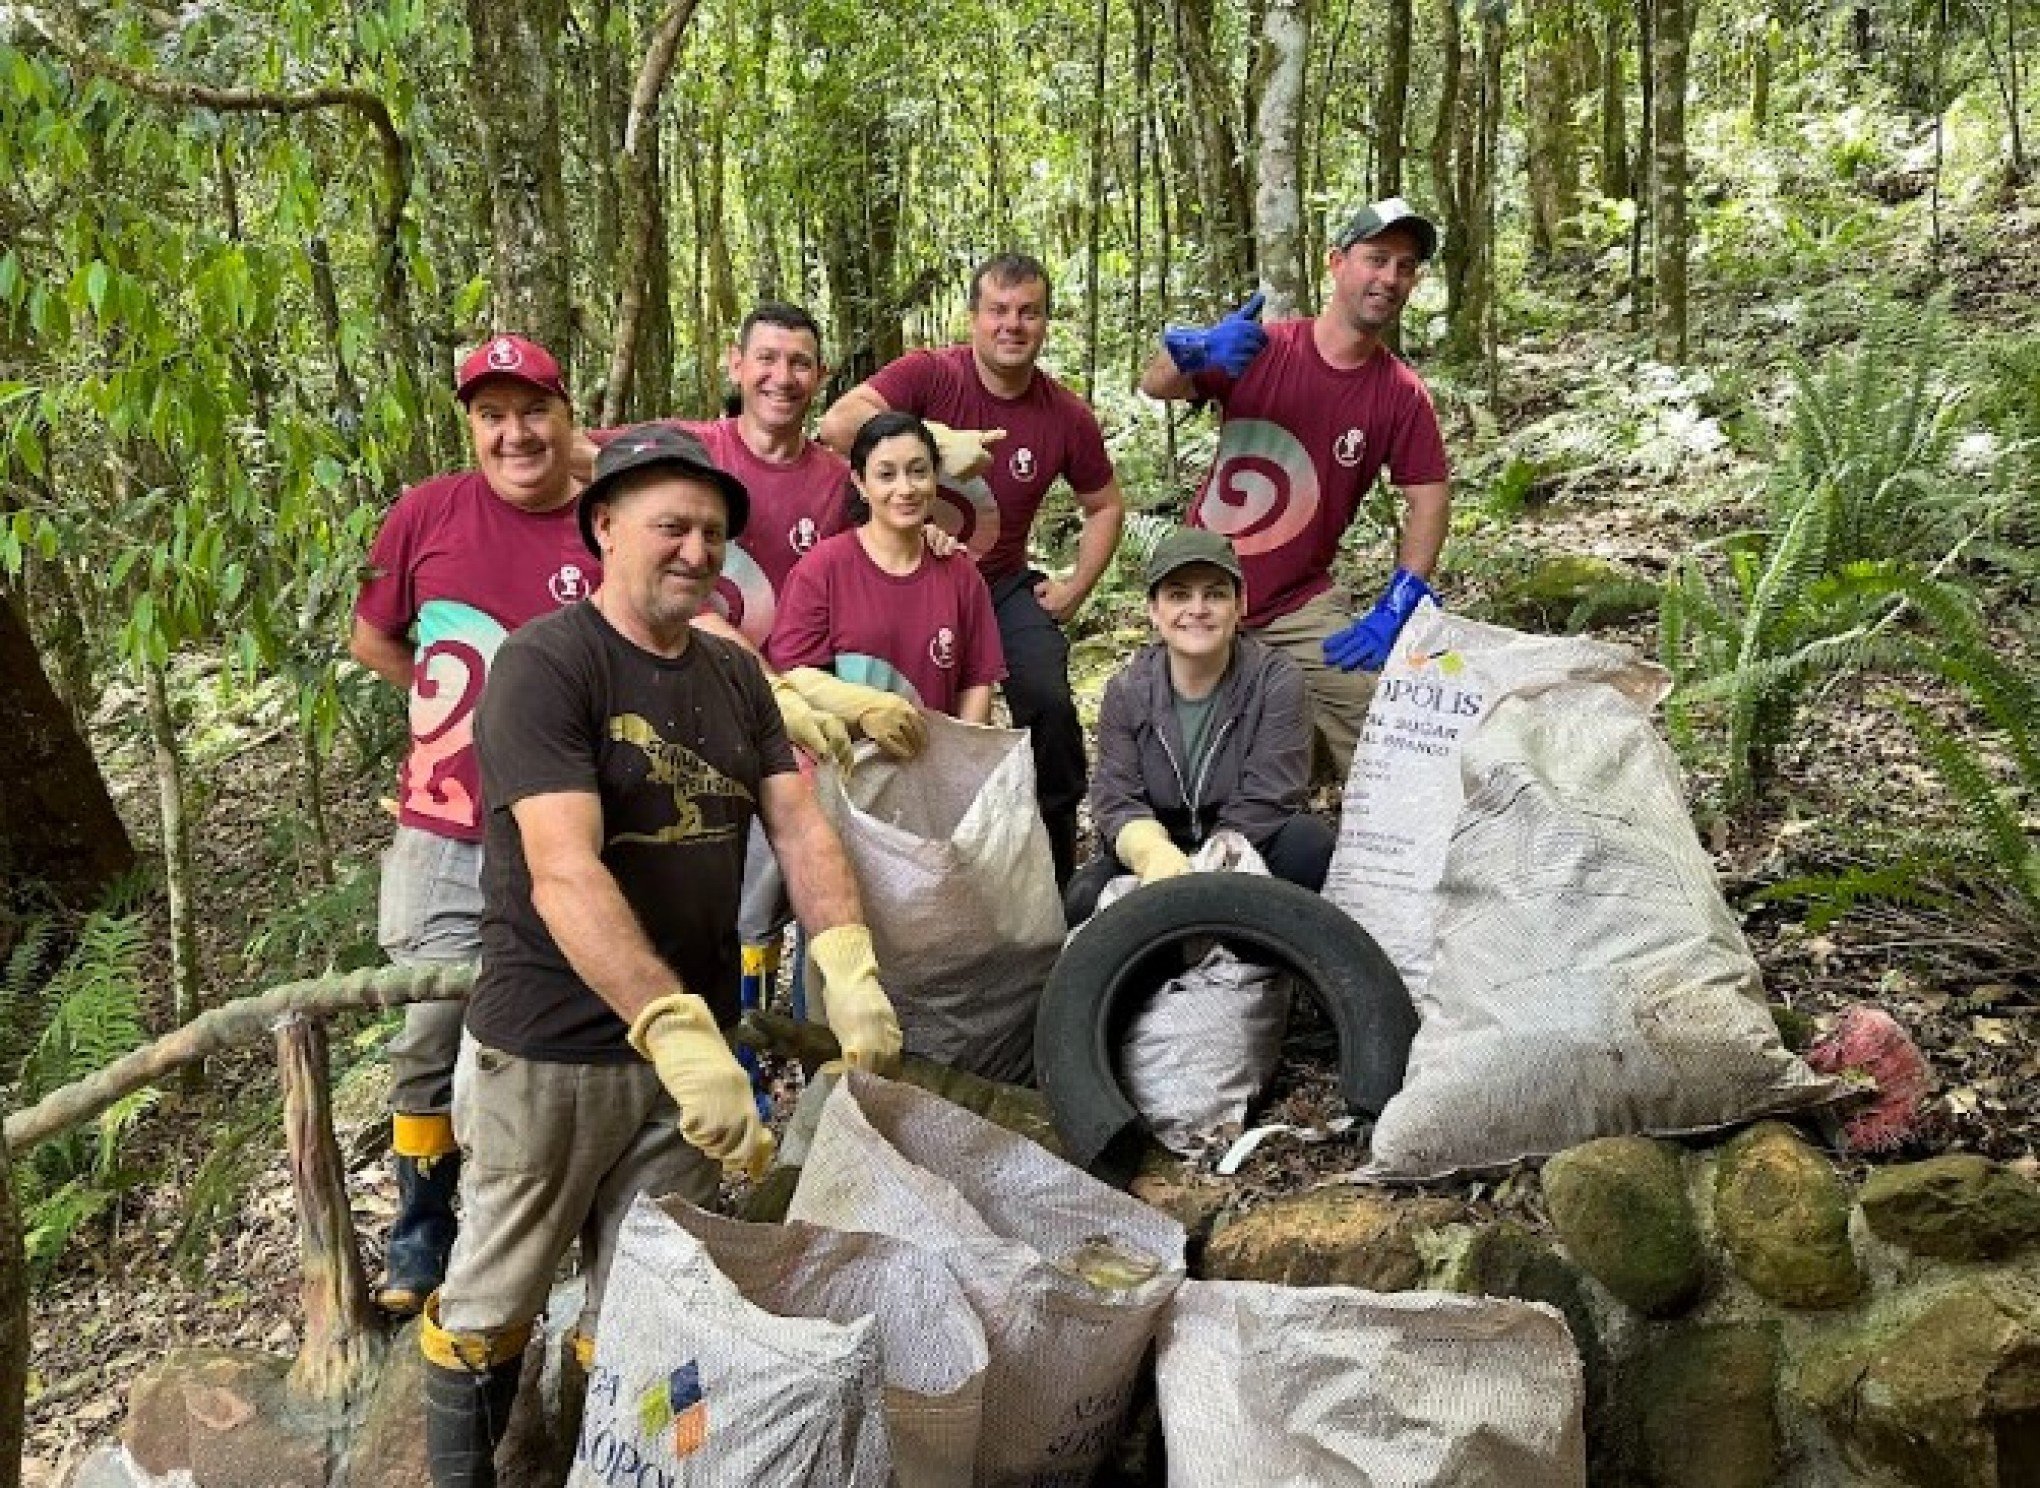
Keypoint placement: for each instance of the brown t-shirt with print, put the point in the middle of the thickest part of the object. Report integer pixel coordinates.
(675, 750)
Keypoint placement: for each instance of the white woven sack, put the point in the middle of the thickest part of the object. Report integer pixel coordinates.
(1015, 1224)
(929, 1341)
(693, 1385)
(958, 884)
(1590, 979)
(1403, 793)
(1204, 1045)
(1310, 1387)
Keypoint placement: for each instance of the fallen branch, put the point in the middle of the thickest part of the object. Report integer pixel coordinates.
(243, 1021)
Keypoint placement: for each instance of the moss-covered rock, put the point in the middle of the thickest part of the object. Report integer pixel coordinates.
(1944, 1396)
(1960, 1208)
(1332, 1237)
(1569, 590)
(1620, 1207)
(1706, 1406)
(1783, 1215)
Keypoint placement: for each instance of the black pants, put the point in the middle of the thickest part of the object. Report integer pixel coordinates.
(1038, 695)
(1300, 852)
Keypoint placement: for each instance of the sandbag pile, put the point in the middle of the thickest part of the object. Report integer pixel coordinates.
(1273, 1384)
(1515, 835)
(958, 884)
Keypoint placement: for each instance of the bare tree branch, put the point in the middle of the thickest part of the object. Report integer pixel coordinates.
(241, 1021)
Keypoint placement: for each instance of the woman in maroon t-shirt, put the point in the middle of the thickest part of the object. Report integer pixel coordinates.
(876, 606)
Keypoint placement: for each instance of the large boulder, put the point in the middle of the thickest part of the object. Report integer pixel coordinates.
(1958, 1208)
(1331, 1237)
(1705, 1401)
(1783, 1215)
(1944, 1395)
(1620, 1208)
(228, 1418)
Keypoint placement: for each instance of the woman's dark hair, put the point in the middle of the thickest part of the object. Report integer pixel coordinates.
(882, 426)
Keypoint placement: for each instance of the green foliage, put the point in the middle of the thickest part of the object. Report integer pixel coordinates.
(1863, 497)
(85, 1017)
(1871, 432)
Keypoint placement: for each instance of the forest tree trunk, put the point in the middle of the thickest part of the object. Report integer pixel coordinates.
(342, 1341)
(177, 868)
(58, 828)
(13, 1325)
(1552, 156)
(1278, 125)
(1224, 202)
(1392, 100)
(1615, 182)
(513, 86)
(1672, 33)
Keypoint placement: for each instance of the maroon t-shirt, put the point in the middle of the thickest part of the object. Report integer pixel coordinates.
(929, 635)
(793, 507)
(1301, 445)
(461, 568)
(1050, 432)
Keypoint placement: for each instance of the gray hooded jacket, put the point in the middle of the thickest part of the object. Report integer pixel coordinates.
(1256, 772)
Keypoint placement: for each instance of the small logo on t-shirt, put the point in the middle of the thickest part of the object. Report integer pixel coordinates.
(942, 650)
(1022, 464)
(1349, 446)
(568, 585)
(802, 535)
(503, 354)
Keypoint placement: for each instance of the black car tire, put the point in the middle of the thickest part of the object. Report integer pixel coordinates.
(1124, 953)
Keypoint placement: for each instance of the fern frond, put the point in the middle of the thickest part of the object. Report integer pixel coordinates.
(1830, 897)
(95, 1007)
(1995, 819)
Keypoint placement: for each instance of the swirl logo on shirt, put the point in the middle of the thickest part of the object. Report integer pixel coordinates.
(456, 643)
(743, 595)
(1263, 492)
(875, 671)
(967, 512)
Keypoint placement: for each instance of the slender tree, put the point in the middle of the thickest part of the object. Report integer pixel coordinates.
(1671, 37)
(1278, 125)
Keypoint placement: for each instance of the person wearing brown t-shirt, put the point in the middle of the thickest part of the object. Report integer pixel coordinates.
(1314, 411)
(1008, 431)
(624, 755)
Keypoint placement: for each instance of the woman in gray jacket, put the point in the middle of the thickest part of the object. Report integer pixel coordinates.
(1203, 729)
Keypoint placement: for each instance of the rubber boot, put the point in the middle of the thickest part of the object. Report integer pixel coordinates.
(754, 990)
(470, 1387)
(421, 1236)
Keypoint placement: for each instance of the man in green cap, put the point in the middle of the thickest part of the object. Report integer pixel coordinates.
(1314, 411)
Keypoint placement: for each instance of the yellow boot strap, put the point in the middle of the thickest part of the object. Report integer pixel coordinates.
(421, 1136)
(475, 1352)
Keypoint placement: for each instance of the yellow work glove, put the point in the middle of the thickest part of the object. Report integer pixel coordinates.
(1144, 846)
(677, 1033)
(885, 718)
(860, 1014)
(821, 734)
(964, 452)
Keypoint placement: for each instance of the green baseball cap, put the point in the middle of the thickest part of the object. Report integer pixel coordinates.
(1188, 545)
(1376, 218)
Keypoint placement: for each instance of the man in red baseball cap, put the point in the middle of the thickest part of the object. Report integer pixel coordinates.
(461, 561)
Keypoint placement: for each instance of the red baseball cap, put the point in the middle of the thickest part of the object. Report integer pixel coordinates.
(513, 357)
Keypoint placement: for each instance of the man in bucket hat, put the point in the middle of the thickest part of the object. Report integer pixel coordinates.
(1313, 411)
(624, 755)
(461, 561)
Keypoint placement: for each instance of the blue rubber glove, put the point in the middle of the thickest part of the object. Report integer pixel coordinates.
(1364, 645)
(1230, 345)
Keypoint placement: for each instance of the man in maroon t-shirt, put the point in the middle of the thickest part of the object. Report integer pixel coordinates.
(1028, 430)
(799, 486)
(460, 562)
(1314, 411)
